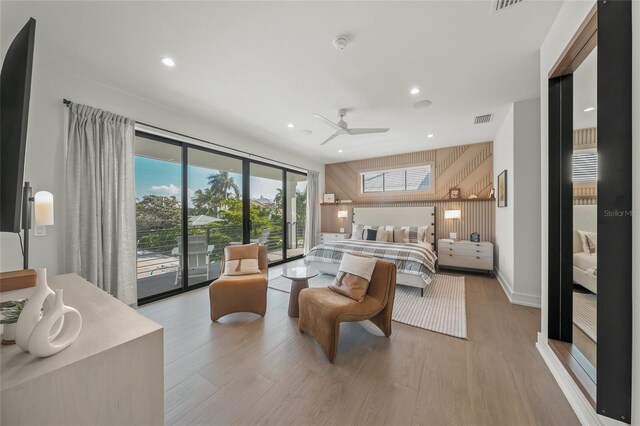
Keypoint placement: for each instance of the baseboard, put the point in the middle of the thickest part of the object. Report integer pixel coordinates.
(579, 403)
(518, 298)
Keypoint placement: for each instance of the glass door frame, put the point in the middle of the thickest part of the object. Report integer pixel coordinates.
(246, 208)
(246, 186)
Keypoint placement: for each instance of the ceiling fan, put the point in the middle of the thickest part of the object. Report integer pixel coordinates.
(343, 129)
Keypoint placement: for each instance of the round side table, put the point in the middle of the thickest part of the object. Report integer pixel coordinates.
(299, 277)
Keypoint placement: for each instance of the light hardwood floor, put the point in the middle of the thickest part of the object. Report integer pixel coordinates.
(251, 370)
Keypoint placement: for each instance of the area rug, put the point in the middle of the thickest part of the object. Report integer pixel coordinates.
(584, 313)
(442, 309)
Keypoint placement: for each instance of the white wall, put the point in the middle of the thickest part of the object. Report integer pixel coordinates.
(503, 160)
(569, 19)
(518, 224)
(45, 159)
(526, 180)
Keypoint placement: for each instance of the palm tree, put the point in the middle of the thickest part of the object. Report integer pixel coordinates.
(277, 200)
(222, 184)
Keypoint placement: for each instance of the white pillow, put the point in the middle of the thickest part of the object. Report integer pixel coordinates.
(358, 265)
(585, 243)
(382, 235)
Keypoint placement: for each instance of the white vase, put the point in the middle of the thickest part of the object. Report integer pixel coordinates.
(42, 341)
(9, 334)
(32, 311)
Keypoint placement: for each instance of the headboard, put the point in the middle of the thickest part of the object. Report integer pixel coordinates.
(397, 216)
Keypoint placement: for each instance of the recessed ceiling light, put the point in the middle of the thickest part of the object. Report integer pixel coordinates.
(430, 135)
(307, 132)
(425, 103)
(168, 62)
(414, 91)
(589, 109)
(340, 151)
(290, 125)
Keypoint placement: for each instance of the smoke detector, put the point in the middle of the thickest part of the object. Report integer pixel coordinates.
(340, 43)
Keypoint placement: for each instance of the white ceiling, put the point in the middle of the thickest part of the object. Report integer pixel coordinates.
(585, 92)
(253, 67)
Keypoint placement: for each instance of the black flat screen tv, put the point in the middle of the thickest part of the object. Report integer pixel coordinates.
(15, 90)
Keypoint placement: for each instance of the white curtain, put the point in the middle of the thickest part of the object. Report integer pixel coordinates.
(101, 216)
(313, 210)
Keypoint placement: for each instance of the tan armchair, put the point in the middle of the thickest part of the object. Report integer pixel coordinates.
(240, 293)
(322, 310)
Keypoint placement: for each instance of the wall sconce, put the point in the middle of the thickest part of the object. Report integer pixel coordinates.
(43, 204)
(43, 215)
(342, 215)
(452, 214)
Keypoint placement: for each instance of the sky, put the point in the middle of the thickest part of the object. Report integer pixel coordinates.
(157, 177)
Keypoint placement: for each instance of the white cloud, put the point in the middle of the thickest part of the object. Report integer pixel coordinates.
(170, 190)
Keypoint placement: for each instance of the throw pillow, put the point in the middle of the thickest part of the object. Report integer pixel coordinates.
(592, 242)
(371, 234)
(241, 260)
(354, 276)
(397, 235)
(382, 235)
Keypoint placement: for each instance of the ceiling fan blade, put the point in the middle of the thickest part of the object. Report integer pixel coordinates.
(366, 131)
(335, 135)
(327, 121)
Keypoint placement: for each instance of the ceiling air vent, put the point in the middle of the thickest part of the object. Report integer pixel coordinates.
(499, 5)
(482, 119)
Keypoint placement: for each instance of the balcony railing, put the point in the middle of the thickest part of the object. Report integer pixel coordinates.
(159, 253)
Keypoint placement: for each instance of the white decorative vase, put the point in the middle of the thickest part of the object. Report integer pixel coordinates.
(42, 341)
(9, 334)
(32, 311)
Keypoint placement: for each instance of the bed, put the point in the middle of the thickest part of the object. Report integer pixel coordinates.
(585, 265)
(415, 262)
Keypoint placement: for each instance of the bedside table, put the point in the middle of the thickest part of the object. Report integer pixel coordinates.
(466, 254)
(326, 237)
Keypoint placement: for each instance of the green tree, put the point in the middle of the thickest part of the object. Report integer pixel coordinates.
(158, 221)
(222, 185)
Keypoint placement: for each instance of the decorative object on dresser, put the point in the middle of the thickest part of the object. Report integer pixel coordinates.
(454, 193)
(10, 313)
(15, 280)
(502, 189)
(492, 193)
(46, 326)
(475, 237)
(329, 198)
(326, 237)
(465, 255)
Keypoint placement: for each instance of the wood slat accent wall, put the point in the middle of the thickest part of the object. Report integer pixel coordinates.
(468, 167)
(585, 193)
(477, 216)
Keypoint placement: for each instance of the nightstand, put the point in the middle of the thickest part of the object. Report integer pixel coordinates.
(326, 237)
(466, 254)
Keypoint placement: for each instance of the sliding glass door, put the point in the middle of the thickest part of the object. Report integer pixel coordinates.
(192, 202)
(215, 211)
(296, 213)
(267, 204)
(159, 216)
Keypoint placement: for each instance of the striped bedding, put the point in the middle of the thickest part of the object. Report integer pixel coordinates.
(409, 258)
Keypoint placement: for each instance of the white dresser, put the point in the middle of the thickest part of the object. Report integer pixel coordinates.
(465, 254)
(326, 237)
(112, 374)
